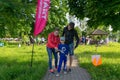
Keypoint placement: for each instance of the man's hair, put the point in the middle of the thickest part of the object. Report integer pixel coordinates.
(72, 24)
(56, 29)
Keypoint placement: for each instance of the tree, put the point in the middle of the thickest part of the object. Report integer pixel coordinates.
(78, 31)
(56, 16)
(99, 12)
(17, 16)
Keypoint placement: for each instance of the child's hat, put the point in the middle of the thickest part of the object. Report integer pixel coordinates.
(62, 38)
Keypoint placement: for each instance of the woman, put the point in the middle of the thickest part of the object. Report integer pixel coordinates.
(52, 47)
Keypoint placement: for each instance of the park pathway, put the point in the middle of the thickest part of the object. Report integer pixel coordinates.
(77, 73)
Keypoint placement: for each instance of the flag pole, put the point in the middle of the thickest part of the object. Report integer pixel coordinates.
(32, 55)
(40, 19)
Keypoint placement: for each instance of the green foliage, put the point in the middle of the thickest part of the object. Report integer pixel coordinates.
(15, 63)
(78, 31)
(56, 16)
(110, 54)
(17, 17)
(100, 12)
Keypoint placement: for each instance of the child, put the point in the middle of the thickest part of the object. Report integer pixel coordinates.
(63, 50)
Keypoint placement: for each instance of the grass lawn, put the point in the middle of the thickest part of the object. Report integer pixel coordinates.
(15, 63)
(110, 68)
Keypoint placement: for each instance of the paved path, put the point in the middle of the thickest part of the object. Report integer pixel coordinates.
(77, 73)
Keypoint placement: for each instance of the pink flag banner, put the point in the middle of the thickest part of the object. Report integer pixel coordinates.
(41, 16)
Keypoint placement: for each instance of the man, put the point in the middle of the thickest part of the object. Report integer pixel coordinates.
(70, 33)
(52, 47)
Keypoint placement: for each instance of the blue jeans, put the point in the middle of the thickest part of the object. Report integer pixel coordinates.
(71, 49)
(62, 59)
(50, 51)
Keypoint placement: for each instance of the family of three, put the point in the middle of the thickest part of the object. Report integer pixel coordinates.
(64, 46)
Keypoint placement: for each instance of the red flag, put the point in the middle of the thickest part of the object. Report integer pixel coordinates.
(41, 16)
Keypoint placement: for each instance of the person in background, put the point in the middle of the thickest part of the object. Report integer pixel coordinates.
(70, 33)
(31, 39)
(42, 40)
(52, 46)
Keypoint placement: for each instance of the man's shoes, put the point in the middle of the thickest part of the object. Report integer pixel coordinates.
(69, 70)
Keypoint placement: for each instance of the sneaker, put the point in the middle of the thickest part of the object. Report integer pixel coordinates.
(57, 74)
(69, 70)
(65, 72)
(51, 71)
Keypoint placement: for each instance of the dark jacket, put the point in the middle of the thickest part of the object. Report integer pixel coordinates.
(70, 35)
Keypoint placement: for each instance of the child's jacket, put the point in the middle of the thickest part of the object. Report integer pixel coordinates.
(63, 49)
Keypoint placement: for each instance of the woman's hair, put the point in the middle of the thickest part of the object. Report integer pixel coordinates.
(56, 29)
